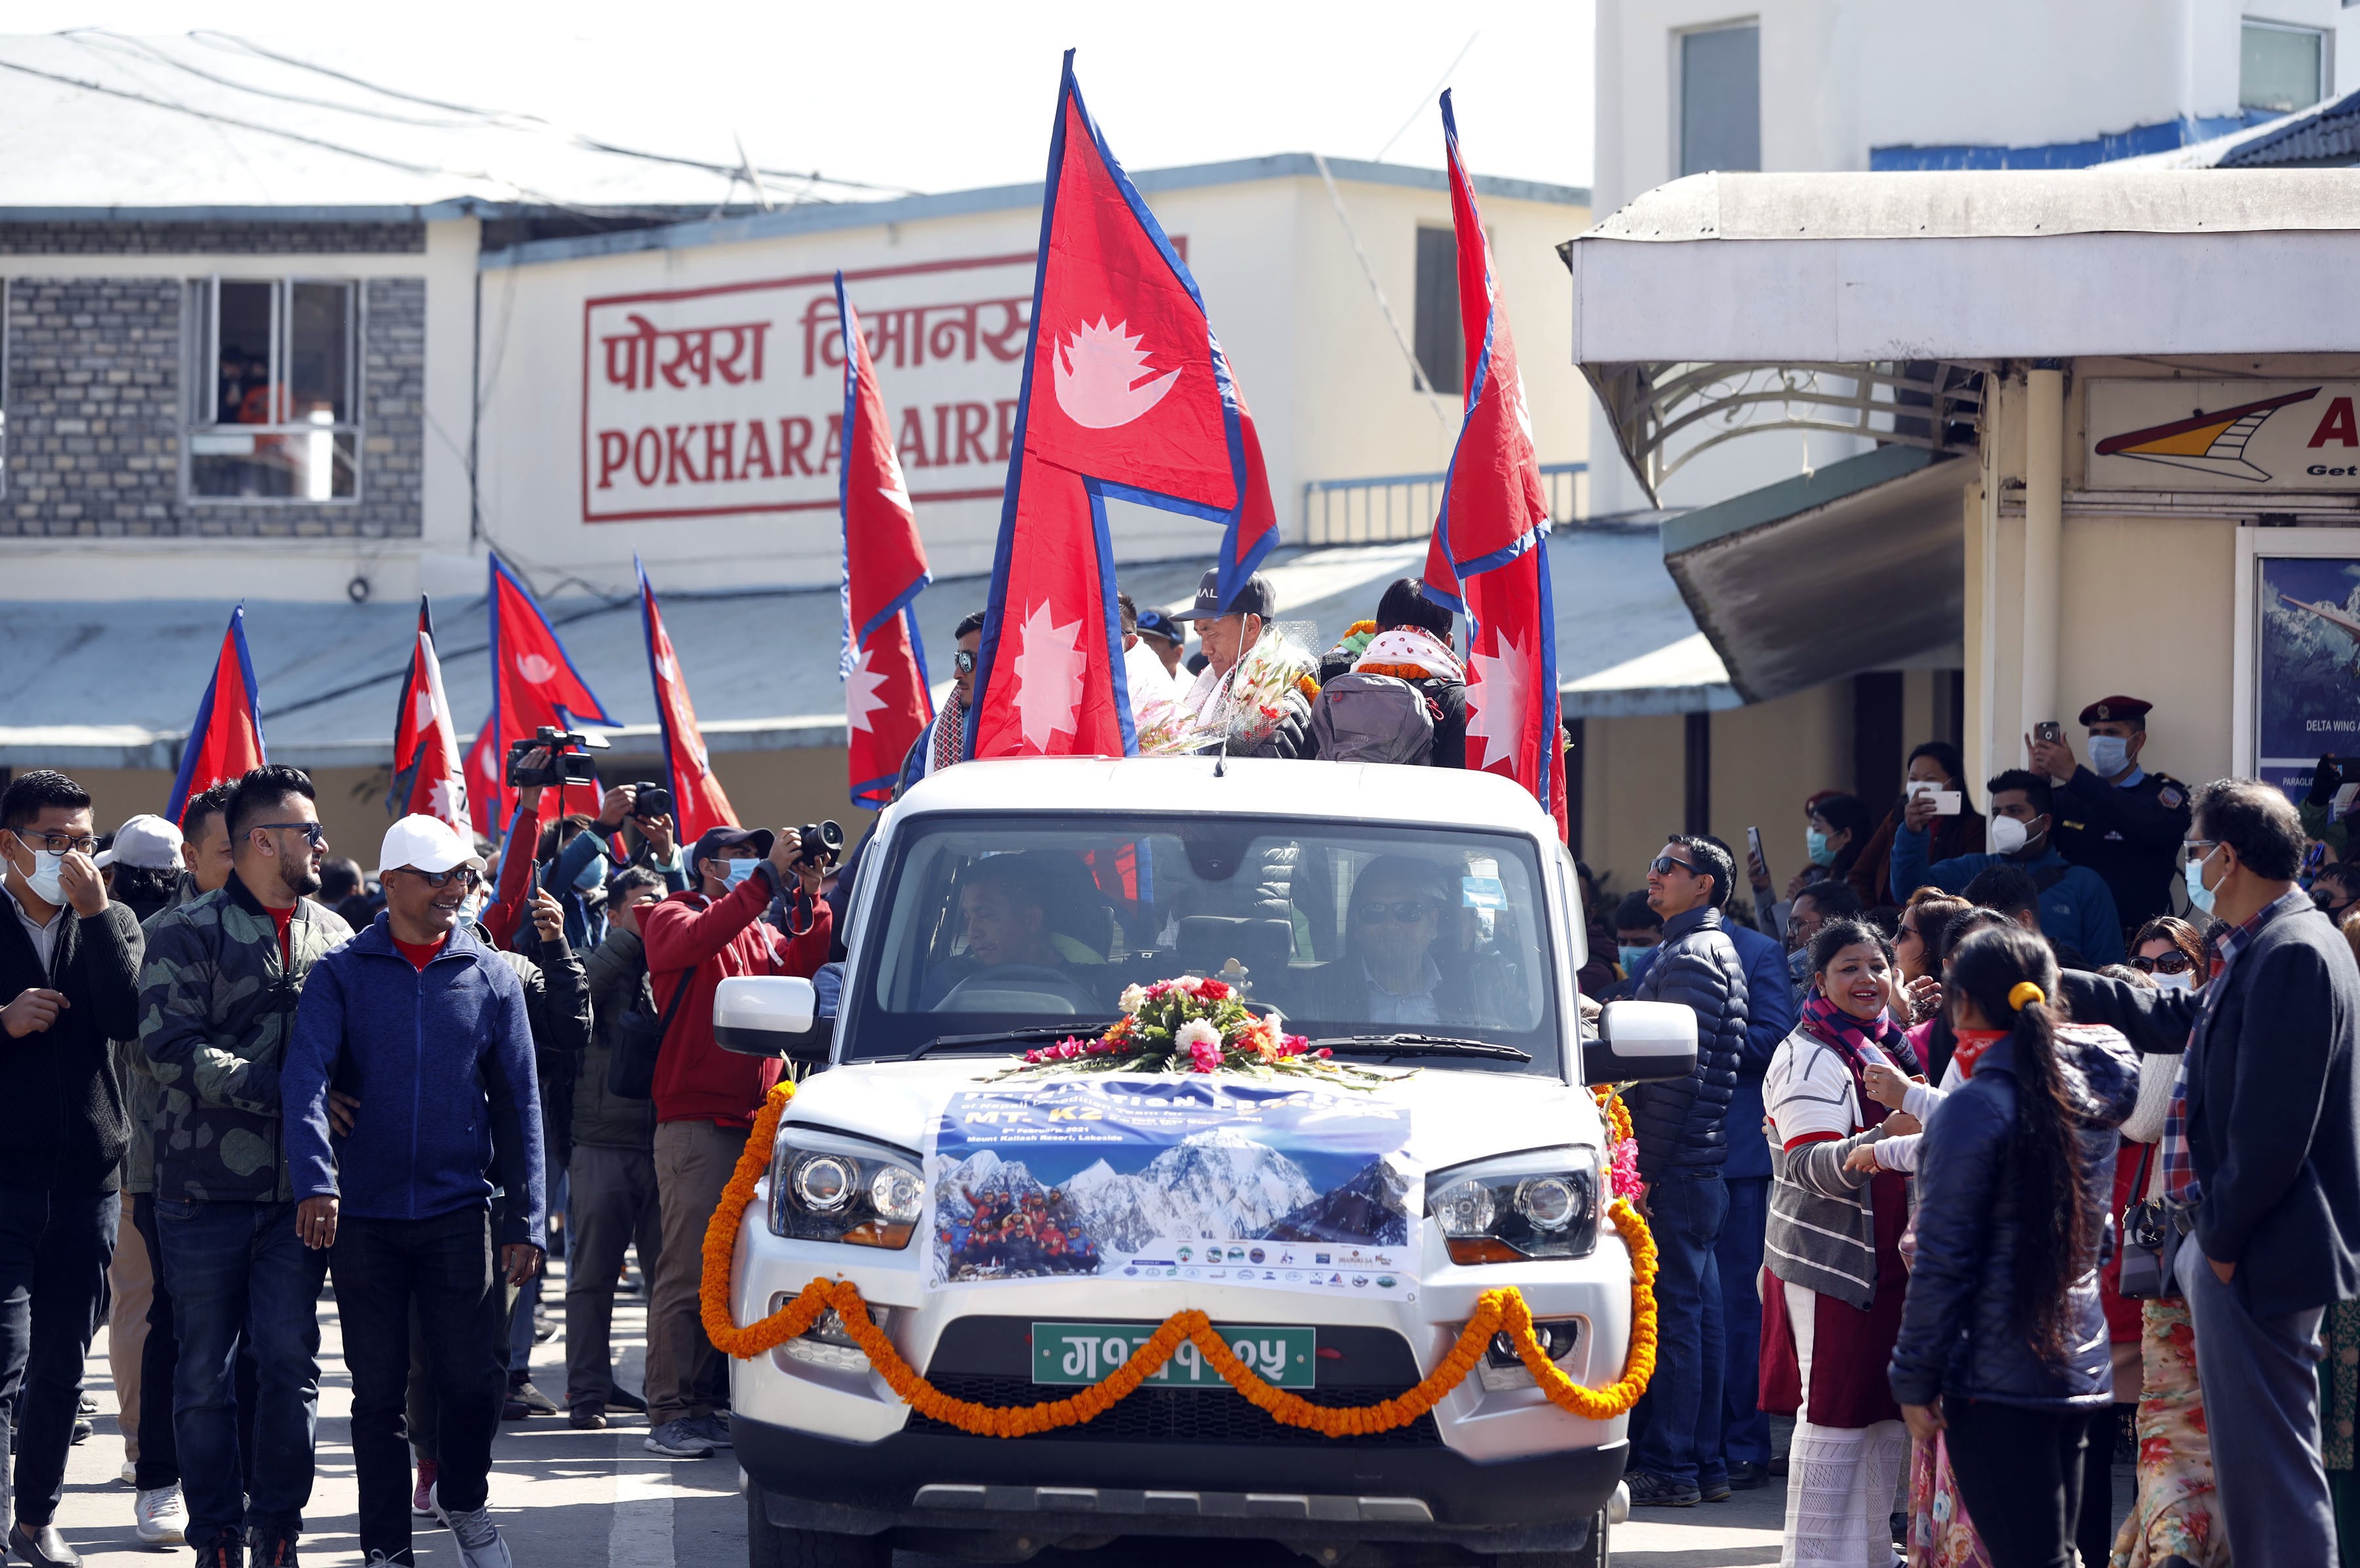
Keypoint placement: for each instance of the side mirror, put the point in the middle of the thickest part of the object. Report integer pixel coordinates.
(769, 1014)
(1637, 1041)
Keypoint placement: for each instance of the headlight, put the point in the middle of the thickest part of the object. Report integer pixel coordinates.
(826, 1186)
(1539, 1204)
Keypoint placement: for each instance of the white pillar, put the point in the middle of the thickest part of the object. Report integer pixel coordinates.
(2044, 542)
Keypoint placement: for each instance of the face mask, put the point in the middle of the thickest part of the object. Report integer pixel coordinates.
(2109, 755)
(2199, 896)
(591, 875)
(2009, 835)
(737, 871)
(1816, 844)
(2184, 981)
(1629, 957)
(43, 878)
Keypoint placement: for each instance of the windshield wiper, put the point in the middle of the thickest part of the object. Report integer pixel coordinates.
(1418, 1045)
(1082, 1029)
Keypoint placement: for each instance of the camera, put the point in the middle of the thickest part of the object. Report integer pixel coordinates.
(564, 765)
(822, 843)
(651, 800)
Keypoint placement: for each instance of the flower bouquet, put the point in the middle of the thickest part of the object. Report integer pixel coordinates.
(1192, 1025)
(1239, 710)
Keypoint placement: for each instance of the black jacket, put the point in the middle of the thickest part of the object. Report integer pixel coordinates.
(1959, 1336)
(62, 1124)
(1679, 1122)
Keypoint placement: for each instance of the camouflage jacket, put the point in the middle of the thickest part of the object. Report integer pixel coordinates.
(216, 1008)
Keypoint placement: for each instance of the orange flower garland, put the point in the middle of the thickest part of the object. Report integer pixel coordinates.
(1502, 1310)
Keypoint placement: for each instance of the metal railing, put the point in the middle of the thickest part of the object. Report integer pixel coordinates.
(1403, 506)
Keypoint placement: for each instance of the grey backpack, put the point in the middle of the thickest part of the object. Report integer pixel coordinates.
(1372, 718)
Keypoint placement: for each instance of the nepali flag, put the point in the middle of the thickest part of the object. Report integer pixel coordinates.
(429, 778)
(887, 705)
(485, 765)
(226, 739)
(698, 802)
(1128, 395)
(1489, 558)
(534, 682)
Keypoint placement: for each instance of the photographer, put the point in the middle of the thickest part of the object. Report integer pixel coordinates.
(579, 872)
(706, 1097)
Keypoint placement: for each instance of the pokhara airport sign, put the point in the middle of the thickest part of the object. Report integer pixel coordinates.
(2224, 435)
(729, 399)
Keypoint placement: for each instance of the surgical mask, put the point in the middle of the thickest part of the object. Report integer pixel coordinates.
(2199, 896)
(1631, 955)
(2109, 755)
(43, 878)
(2183, 981)
(591, 875)
(1816, 844)
(736, 871)
(2009, 835)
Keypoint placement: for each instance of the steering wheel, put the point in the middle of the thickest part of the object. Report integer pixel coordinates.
(1036, 978)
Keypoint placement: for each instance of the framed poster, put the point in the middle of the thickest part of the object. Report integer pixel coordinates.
(2298, 652)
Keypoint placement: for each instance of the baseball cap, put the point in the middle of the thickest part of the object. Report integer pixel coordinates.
(1156, 624)
(424, 844)
(713, 841)
(1256, 598)
(149, 843)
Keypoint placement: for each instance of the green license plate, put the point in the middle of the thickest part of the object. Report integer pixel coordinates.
(1079, 1353)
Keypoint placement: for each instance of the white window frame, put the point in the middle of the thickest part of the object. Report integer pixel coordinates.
(200, 360)
(2321, 90)
(1675, 132)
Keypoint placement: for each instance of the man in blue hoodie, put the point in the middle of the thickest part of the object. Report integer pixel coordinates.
(425, 1027)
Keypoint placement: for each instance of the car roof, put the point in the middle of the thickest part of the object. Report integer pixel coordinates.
(1380, 792)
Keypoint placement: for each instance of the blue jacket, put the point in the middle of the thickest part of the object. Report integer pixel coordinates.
(1771, 1014)
(2076, 908)
(441, 1060)
(1681, 1122)
(1958, 1335)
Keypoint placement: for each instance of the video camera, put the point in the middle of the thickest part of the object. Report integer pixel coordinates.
(822, 843)
(565, 762)
(651, 800)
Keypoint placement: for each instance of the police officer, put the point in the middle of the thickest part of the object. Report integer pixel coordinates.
(2113, 816)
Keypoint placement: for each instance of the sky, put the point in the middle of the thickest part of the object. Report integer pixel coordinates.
(932, 97)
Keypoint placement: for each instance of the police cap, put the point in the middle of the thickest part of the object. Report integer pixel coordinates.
(2107, 708)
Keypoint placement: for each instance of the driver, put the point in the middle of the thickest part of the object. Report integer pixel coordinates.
(1005, 917)
(1388, 974)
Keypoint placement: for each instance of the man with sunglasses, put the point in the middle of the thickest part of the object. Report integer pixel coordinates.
(428, 1028)
(217, 1001)
(937, 745)
(1388, 974)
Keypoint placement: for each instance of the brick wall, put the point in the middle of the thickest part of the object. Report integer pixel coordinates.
(97, 419)
(212, 239)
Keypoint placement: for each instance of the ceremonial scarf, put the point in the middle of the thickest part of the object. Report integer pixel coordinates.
(949, 724)
(1411, 653)
(1972, 1045)
(1845, 1034)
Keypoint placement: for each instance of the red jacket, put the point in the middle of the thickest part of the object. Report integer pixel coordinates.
(700, 942)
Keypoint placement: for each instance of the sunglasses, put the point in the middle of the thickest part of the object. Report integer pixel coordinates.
(2164, 964)
(962, 661)
(1663, 865)
(1407, 911)
(465, 875)
(312, 832)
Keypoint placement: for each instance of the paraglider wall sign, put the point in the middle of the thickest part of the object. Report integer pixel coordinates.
(2300, 642)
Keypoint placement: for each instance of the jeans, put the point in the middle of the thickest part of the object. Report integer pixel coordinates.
(237, 1270)
(2020, 1472)
(1745, 1429)
(445, 1268)
(160, 1359)
(614, 1205)
(1685, 1210)
(55, 1247)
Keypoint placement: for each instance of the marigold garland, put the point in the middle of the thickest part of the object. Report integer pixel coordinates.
(1499, 1310)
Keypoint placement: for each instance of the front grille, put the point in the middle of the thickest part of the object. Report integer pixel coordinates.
(1179, 1415)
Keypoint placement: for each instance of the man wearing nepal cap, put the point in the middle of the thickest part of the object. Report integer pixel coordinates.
(426, 1027)
(706, 1097)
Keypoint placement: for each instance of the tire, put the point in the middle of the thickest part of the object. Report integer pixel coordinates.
(773, 1546)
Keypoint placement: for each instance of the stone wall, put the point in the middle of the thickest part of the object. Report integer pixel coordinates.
(210, 238)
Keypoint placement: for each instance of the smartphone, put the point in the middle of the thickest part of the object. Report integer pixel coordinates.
(1753, 850)
(1872, 1056)
(2048, 729)
(1947, 802)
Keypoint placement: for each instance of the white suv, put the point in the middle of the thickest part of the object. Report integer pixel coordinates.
(1420, 923)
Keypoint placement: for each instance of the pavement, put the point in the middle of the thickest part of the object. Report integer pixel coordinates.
(598, 1499)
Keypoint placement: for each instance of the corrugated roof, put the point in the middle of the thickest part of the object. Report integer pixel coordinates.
(2323, 135)
(113, 685)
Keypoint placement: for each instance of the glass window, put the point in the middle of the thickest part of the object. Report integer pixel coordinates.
(2280, 68)
(1011, 922)
(1720, 99)
(275, 415)
(1441, 348)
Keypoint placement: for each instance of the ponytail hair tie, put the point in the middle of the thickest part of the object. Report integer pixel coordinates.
(2023, 994)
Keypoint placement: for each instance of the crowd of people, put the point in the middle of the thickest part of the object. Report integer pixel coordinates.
(1990, 1156)
(282, 1072)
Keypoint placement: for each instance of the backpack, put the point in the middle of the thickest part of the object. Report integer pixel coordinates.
(1372, 718)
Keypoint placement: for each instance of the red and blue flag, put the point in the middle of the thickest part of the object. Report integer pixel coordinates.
(1126, 395)
(887, 706)
(430, 774)
(226, 739)
(698, 802)
(533, 681)
(1489, 558)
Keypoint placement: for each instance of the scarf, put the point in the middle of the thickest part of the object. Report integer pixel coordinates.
(1972, 1045)
(1845, 1034)
(948, 725)
(1410, 653)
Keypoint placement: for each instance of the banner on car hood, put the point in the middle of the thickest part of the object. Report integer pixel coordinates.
(1189, 1177)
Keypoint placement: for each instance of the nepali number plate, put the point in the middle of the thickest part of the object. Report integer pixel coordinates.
(1080, 1353)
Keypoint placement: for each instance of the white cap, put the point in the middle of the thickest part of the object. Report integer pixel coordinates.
(424, 844)
(149, 843)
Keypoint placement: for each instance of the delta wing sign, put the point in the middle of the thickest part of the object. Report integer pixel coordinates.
(2224, 435)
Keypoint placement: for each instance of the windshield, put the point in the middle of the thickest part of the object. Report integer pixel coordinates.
(1026, 923)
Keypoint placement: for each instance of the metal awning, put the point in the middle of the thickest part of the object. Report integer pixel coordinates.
(1860, 565)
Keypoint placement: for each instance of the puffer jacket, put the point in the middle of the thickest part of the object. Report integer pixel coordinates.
(1681, 1122)
(1959, 1336)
